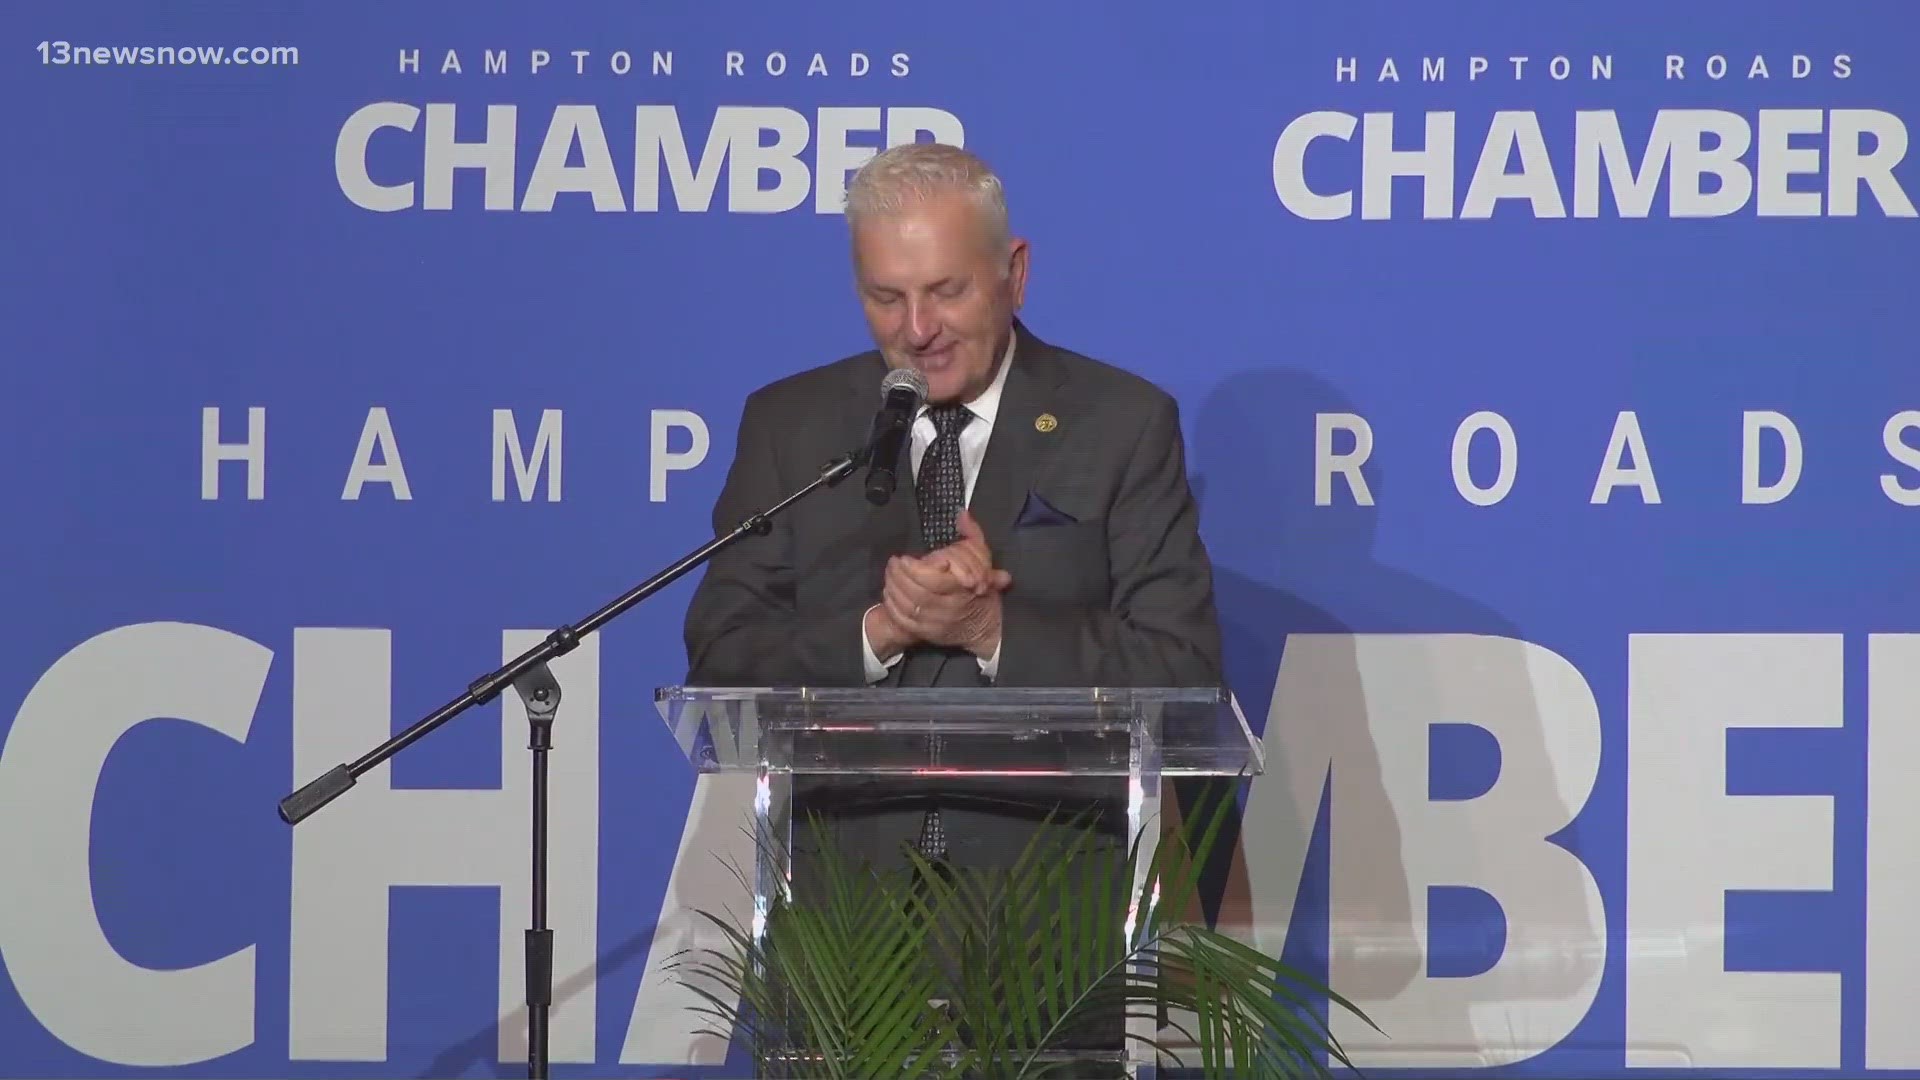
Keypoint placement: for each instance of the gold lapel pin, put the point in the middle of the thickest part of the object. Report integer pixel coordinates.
(1045, 422)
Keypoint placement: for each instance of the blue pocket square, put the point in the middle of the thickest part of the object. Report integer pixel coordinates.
(1040, 512)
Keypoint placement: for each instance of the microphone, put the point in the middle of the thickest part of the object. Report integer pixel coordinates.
(901, 393)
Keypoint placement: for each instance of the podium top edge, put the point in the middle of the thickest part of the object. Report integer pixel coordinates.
(984, 695)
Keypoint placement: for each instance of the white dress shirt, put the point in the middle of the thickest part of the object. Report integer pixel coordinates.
(973, 450)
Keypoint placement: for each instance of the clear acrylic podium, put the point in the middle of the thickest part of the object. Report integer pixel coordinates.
(1143, 735)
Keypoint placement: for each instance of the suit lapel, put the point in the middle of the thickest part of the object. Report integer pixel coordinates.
(1017, 445)
(899, 520)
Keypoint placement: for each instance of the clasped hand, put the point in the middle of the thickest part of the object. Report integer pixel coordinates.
(947, 597)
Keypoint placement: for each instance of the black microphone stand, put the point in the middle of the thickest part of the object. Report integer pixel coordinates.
(530, 677)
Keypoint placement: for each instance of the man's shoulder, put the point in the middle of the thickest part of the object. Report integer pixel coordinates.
(834, 378)
(1097, 383)
(1104, 384)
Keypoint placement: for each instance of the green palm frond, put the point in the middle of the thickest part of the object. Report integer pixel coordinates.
(1072, 939)
(834, 989)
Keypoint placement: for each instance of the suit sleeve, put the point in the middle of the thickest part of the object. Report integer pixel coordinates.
(742, 628)
(1160, 627)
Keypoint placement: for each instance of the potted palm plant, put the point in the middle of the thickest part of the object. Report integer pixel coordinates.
(932, 972)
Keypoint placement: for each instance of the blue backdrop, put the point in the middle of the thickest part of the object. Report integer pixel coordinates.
(270, 278)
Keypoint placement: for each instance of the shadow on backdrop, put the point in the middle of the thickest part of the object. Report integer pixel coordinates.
(1300, 591)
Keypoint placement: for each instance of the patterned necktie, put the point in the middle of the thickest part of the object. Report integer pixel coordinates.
(941, 486)
(941, 491)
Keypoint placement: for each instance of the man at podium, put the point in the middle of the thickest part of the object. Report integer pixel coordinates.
(1043, 533)
(1071, 473)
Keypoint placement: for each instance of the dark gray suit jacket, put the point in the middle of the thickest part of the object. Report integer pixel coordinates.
(1122, 595)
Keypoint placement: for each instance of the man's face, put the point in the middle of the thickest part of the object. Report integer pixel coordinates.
(935, 297)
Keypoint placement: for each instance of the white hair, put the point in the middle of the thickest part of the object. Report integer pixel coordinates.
(911, 173)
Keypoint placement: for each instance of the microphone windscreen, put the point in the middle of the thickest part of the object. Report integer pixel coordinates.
(905, 378)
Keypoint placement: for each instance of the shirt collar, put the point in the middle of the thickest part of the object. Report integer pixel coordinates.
(985, 407)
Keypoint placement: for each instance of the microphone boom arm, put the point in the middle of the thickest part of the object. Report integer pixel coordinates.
(564, 640)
